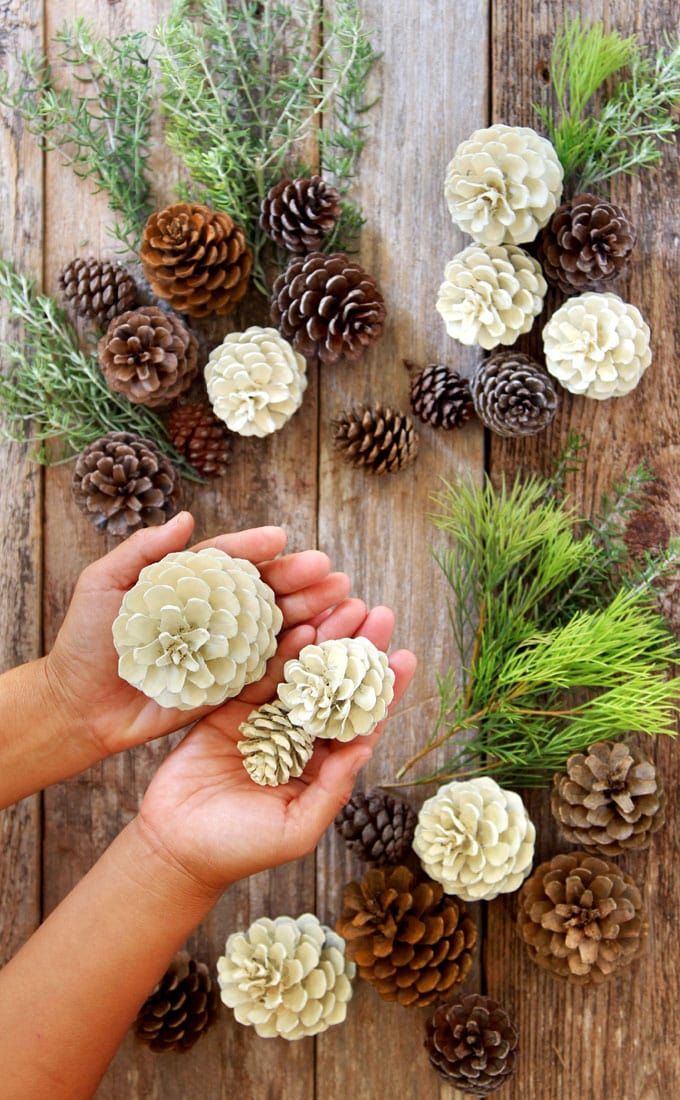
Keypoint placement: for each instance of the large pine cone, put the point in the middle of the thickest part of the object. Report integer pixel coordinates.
(298, 214)
(586, 244)
(149, 355)
(440, 397)
(181, 1008)
(472, 1044)
(381, 439)
(377, 827)
(609, 800)
(581, 918)
(122, 482)
(328, 306)
(513, 395)
(97, 290)
(196, 433)
(410, 940)
(196, 259)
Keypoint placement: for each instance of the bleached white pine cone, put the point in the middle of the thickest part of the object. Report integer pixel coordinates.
(273, 749)
(490, 296)
(286, 977)
(597, 345)
(338, 689)
(475, 838)
(196, 628)
(255, 381)
(503, 184)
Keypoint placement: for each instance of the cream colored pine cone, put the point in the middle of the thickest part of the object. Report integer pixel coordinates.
(274, 751)
(339, 689)
(476, 839)
(597, 345)
(196, 628)
(490, 296)
(286, 977)
(503, 184)
(255, 381)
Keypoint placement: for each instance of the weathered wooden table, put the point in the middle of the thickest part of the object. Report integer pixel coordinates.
(448, 67)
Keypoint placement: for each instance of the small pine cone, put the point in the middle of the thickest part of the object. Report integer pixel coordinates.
(274, 751)
(97, 290)
(203, 439)
(586, 244)
(328, 307)
(122, 482)
(609, 800)
(513, 395)
(377, 827)
(181, 1008)
(298, 214)
(472, 1044)
(440, 397)
(378, 438)
(149, 355)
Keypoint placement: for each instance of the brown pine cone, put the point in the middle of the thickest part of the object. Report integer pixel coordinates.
(181, 1008)
(581, 918)
(327, 306)
(378, 438)
(97, 290)
(377, 827)
(148, 355)
(586, 244)
(440, 397)
(472, 1044)
(196, 433)
(122, 482)
(196, 259)
(410, 940)
(513, 395)
(609, 800)
(298, 214)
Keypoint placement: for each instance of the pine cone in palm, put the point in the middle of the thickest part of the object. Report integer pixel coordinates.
(181, 1008)
(411, 941)
(472, 1044)
(381, 439)
(298, 214)
(327, 307)
(513, 395)
(204, 440)
(440, 397)
(586, 244)
(149, 355)
(97, 290)
(377, 827)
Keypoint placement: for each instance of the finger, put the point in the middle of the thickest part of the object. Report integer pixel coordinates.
(316, 806)
(377, 627)
(403, 663)
(121, 567)
(304, 605)
(296, 571)
(344, 621)
(319, 619)
(290, 644)
(257, 545)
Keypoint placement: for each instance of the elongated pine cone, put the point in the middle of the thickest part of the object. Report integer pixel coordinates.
(97, 289)
(204, 441)
(122, 482)
(513, 395)
(376, 437)
(181, 1008)
(581, 918)
(409, 940)
(298, 214)
(472, 1044)
(586, 244)
(609, 799)
(274, 751)
(440, 397)
(196, 259)
(377, 827)
(328, 307)
(148, 355)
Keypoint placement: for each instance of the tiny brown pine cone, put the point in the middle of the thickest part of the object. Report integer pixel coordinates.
(298, 214)
(204, 440)
(513, 395)
(472, 1044)
(149, 355)
(377, 827)
(378, 438)
(181, 1008)
(97, 289)
(586, 244)
(440, 397)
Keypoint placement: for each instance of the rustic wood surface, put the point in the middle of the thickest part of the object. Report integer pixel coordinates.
(448, 66)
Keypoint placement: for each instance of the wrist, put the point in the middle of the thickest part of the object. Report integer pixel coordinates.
(74, 733)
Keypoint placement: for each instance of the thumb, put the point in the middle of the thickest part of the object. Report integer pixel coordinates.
(319, 803)
(121, 567)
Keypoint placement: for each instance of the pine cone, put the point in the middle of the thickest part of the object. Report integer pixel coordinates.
(377, 827)
(586, 244)
(440, 397)
(298, 214)
(203, 439)
(379, 438)
(274, 751)
(181, 1008)
(472, 1044)
(196, 259)
(122, 482)
(328, 306)
(148, 355)
(609, 800)
(581, 918)
(409, 940)
(513, 395)
(97, 290)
